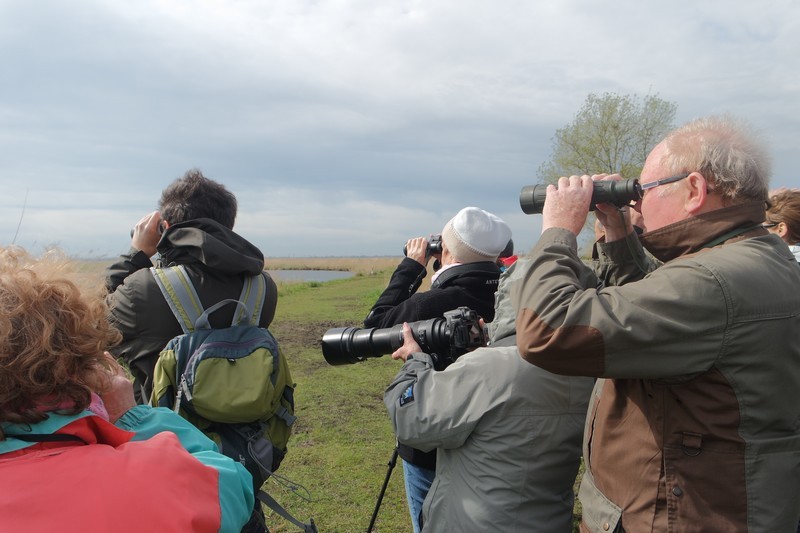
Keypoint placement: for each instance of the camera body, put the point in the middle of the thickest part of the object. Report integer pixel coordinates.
(445, 339)
(434, 246)
(620, 193)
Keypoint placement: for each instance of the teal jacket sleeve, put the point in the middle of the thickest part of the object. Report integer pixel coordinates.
(235, 482)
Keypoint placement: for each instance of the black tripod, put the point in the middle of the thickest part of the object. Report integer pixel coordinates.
(392, 463)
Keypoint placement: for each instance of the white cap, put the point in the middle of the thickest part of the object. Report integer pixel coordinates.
(475, 235)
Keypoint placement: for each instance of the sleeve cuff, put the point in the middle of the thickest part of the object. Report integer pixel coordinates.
(139, 259)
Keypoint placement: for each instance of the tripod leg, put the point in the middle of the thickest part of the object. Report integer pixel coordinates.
(392, 463)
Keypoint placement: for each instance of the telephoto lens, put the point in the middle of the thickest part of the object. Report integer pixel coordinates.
(344, 346)
(620, 193)
(448, 337)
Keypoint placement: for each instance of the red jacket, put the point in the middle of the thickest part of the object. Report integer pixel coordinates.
(119, 480)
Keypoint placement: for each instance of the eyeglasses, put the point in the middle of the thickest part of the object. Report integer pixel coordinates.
(664, 181)
(769, 224)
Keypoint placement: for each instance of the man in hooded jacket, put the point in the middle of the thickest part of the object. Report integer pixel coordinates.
(193, 227)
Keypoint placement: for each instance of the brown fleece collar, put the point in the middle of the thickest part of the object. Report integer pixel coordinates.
(694, 233)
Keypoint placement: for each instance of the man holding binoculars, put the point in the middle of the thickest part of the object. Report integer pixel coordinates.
(696, 426)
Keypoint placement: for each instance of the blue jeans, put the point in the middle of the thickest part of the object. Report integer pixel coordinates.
(418, 481)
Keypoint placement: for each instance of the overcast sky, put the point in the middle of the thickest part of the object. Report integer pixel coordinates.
(345, 127)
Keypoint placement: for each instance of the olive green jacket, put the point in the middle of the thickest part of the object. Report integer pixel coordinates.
(698, 427)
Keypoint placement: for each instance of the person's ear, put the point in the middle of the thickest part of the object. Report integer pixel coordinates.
(698, 193)
(446, 256)
(782, 229)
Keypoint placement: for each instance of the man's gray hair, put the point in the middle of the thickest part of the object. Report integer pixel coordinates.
(726, 152)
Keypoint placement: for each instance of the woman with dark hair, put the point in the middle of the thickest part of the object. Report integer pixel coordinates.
(76, 452)
(783, 217)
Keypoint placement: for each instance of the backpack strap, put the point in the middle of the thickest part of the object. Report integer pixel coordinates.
(249, 304)
(284, 414)
(183, 300)
(180, 294)
(254, 293)
(203, 321)
(275, 506)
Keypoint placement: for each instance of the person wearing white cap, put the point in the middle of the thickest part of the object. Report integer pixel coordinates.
(508, 434)
(471, 242)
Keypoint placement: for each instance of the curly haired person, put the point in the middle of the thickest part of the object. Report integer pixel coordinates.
(76, 452)
(783, 218)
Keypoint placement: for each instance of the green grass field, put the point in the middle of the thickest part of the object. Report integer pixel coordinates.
(343, 439)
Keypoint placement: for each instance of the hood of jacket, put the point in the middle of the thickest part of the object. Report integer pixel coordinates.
(209, 243)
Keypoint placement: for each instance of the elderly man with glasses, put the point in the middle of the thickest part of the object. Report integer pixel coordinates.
(697, 424)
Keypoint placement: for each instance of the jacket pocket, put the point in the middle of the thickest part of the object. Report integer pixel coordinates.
(600, 515)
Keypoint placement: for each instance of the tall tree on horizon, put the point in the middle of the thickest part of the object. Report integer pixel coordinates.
(611, 133)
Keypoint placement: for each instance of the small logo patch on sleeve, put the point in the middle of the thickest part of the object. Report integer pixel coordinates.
(407, 396)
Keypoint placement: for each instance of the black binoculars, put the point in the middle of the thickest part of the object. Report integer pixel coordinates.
(434, 246)
(620, 193)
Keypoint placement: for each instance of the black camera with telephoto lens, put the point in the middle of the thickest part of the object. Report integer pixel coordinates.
(445, 339)
(620, 193)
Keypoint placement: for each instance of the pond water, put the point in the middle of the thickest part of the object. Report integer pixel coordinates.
(309, 275)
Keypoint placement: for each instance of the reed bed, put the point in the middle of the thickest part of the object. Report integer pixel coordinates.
(357, 265)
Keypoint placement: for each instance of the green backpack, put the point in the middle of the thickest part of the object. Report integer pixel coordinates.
(232, 383)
